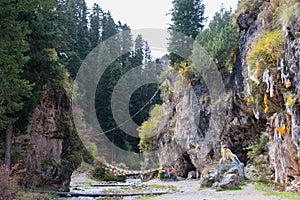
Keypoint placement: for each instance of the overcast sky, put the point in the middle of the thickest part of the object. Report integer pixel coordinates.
(151, 13)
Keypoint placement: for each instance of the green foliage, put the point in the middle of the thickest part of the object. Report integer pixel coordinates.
(92, 149)
(188, 18)
(269, 191)
(64, 124)
(262, 186)
(236, 188)
(165, 187)
(44, 66)
(13, 46)
(257, 153)
(50, 162)
(100, 174)
(39, 40)
(259, 147)
(162, 175)
(147, 197)
(148, 130)
(286, 14)
(265, 53)
(267, 50)
(221, 39)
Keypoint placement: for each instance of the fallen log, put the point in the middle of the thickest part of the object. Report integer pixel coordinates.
(78, 194)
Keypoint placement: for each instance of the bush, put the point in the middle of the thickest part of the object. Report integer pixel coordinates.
(287, 14)
(100, 174)
(267, 51)
(148, 130)
(258, 147)
(9, 188)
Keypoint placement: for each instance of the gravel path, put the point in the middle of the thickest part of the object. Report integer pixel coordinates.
(189, 190)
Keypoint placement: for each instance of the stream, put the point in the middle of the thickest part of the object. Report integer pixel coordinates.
(123, 191)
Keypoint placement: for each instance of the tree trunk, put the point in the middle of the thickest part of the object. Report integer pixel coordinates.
(8, 143)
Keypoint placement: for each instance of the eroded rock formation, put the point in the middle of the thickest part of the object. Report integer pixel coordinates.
(52, 147)
(276, 113)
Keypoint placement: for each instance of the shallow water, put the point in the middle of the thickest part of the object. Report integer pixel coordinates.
(102, 189)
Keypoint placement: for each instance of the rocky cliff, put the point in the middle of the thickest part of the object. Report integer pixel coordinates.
(262, 100)
(51, 147)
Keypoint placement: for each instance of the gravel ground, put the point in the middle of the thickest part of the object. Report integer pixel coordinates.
(189, 190)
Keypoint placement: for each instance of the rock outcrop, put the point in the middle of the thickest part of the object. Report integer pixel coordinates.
(276, 113)
(51, 147)
(225, 176)
(285, 146)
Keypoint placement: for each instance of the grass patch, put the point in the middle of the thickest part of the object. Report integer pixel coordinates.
(112, 190)
(262, 187)
(202, 188)
(289, 195)
(170, 187)
(268, 191)
(146, 197)
(230, 189)
(83, 183)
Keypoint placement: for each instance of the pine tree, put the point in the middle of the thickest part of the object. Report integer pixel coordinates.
(126, 46)
(13, 88)
(188, 18)
(44, 66)
(83, 42)
(138, 56)
(220, 39)
(147, 57)
(78, 40)
(96, 25)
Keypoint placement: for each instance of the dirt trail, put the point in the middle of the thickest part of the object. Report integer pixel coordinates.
(189, 190)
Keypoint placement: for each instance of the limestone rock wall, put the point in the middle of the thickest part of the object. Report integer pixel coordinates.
(52, 147)
(189, 109)
(285, 146)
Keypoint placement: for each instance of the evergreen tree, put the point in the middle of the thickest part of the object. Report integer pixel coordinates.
(188, 19)
(45, 37)
(220, 39)
(109, 27)
(83, 42)
(148, 57)
(13, 88)
(126, 46)
(138, 56)
(96, 25)
(77, 39)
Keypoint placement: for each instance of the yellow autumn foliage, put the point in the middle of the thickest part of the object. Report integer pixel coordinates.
(266, 52)
(148, 130)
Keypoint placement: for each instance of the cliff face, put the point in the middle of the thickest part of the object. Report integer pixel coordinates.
(270, 106)
(51, 146)
(284, 147)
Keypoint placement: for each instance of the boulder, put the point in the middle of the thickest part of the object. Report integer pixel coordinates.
(191, 175)
(208, 178)
(226, 169)
(251, 173)
(230, 181)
